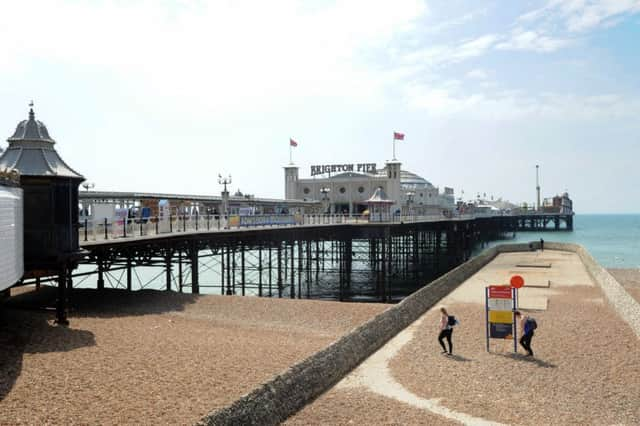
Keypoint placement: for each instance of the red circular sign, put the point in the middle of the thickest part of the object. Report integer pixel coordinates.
(517, 281)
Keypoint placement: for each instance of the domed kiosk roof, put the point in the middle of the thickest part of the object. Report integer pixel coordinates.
(32, 130)
(379, 197)
(31, 152)
(409, 178)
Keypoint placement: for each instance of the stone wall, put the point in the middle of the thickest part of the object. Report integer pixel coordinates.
(284, 395)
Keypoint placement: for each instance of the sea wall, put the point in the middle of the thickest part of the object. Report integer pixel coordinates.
(284, 395)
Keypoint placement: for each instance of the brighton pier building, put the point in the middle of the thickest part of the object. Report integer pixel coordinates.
(345, 188)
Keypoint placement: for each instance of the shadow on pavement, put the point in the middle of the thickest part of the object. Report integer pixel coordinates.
(530, 359)
(458, 358)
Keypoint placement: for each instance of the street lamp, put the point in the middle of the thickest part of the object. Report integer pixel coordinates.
(325, 198)
(225, 194)
(88, 185)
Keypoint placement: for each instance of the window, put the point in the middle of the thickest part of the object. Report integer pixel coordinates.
(306, 190)
(361, 189)
(342, 190)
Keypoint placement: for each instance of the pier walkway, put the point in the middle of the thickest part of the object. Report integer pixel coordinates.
(131, 229)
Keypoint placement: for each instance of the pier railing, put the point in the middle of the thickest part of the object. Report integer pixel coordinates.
(119, 228)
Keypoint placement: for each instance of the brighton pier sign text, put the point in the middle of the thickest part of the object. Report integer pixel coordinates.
(333, 168)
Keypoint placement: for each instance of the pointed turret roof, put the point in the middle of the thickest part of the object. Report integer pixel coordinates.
(31, 152)
(380, 197)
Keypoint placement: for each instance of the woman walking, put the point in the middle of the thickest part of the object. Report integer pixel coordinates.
(446, 329)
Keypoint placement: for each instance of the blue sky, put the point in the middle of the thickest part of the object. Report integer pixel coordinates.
(162, 96)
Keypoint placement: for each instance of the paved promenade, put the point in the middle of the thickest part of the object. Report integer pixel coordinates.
(586, 368)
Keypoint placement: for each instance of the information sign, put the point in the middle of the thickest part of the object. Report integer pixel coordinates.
(500, 304)
(499, 292)
(500, 331)
(503, 317)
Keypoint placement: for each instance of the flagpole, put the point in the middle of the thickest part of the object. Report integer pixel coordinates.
(394, 147)
(290, 153)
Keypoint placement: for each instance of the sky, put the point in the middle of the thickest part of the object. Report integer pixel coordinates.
(163, 96)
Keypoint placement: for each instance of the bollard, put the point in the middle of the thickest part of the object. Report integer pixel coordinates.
(106, 237)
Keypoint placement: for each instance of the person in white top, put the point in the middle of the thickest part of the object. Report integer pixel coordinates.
(445, 331)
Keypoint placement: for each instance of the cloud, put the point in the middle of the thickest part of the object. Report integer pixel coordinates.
(582, 15)
(500, 105)
(477, 74)
(521, 39)
(447, 54)
(452, 23)
(221, 55)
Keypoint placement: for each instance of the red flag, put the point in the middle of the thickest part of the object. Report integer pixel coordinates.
(398, 136)
(292, 142)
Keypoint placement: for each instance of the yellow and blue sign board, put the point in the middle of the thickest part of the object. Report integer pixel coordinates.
(500, 304)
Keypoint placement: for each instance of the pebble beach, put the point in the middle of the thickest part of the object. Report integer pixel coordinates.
(151, 356)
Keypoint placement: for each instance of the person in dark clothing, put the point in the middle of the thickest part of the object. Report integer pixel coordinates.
(541, 244)
(446, 331)
(527, 333)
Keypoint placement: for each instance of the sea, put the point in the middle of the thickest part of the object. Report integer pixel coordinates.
(612, 239)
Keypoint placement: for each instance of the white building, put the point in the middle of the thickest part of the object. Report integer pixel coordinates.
(11, 229)
(345, 188)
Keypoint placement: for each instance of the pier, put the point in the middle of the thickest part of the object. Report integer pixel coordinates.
(315, 256)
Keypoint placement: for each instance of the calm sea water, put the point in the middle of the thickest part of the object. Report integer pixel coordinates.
(613, 240)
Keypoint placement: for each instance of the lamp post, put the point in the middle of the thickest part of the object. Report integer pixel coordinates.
(225, 194)
(325, 190)
(88, 185)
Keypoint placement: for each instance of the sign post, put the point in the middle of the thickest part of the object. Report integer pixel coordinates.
(501, 302)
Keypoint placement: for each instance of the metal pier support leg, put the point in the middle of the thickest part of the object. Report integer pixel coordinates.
(260, 271)
(292, 273)
(229, 293)
(270, 267)
(300, 262)
(100, 275)
(195, 273)
(69, 289)
(180, 283)
(61, 302)
(242, 274)
(128, 273)
(221, 270)
(279, 270)
(167, 262)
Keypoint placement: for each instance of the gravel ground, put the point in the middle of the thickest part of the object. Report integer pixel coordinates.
(360, 407)
(586, 368)
(630, 280)
(154, 357)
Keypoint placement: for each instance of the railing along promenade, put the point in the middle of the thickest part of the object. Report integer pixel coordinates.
(132, 228)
